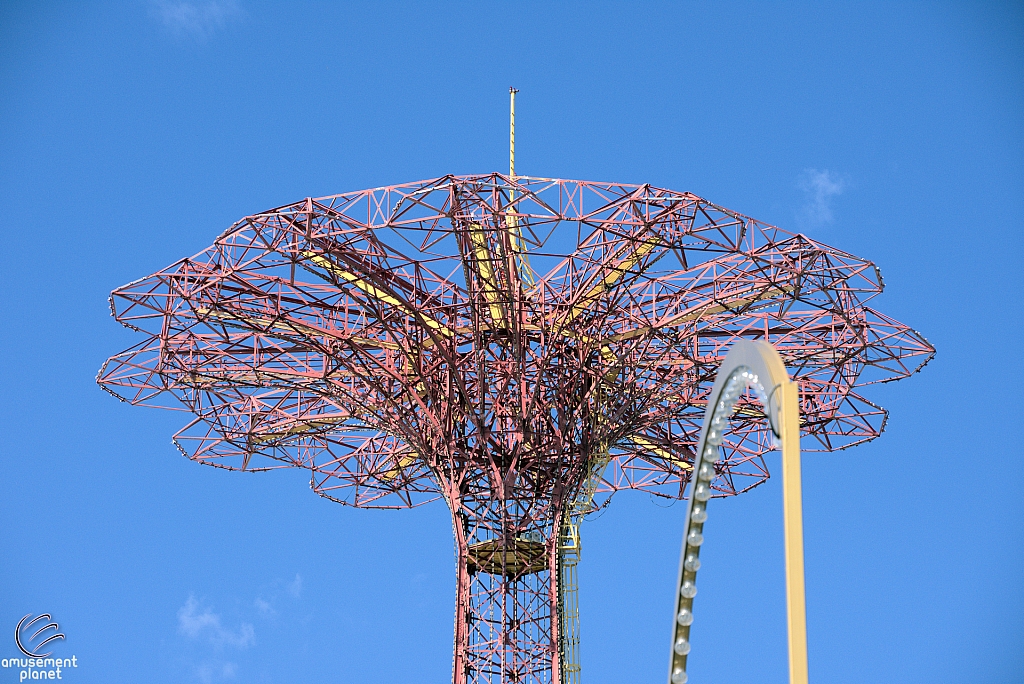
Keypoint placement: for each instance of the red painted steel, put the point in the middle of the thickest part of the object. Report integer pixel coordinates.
(493, 341)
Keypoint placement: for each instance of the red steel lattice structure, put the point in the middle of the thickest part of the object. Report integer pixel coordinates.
(510, 345)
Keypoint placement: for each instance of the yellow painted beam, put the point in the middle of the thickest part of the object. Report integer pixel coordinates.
(739, 300)
(402, 463)
(518, 248)
(299, 428)
(303, 427)
(792, 498)
(658, 451)
(627, 259)
(615, 273)
(200, 380)
(289, 326)
(485, 265)
(374, 292)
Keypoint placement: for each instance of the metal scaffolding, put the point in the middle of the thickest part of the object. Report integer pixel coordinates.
(521, 348)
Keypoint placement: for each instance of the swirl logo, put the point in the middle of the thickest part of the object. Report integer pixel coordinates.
(31, 644)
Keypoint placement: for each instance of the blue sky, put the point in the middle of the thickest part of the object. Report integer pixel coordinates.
(132, 133)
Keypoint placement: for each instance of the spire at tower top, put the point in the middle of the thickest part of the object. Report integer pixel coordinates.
(512, 132)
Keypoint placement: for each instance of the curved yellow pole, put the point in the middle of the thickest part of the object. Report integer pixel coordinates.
(756, 365)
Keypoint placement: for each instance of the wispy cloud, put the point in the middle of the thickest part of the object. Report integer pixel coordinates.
(267, 602)
(264, 607)
(199, 622)
(207, 673)
(198, 19)
(295, 586)
(820, 187)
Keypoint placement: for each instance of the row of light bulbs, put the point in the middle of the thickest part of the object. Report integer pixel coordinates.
(738, 382)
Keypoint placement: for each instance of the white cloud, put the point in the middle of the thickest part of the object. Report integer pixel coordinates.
(191, 622)
(264, 607)
(199, 18)
(195, 621)
(204, 673)
(820, 187)
(207, 673)
(295, 587)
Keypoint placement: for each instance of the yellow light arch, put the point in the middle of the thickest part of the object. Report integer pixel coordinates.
(758, 366)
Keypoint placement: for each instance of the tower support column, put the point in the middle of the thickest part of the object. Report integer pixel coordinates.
(507, 600)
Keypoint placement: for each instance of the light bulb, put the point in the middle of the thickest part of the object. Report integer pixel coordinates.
(702, 492)
(714, 436)
(688, 590)
(692, 563)
(695, 538)
(699, 514)
(685, 618)
(706, 472)
(682, 647)
(679, 677)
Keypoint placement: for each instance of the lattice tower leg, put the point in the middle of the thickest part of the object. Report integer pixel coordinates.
(507, 603)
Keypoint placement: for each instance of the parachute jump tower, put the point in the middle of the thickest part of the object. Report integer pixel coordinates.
(520, 348)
